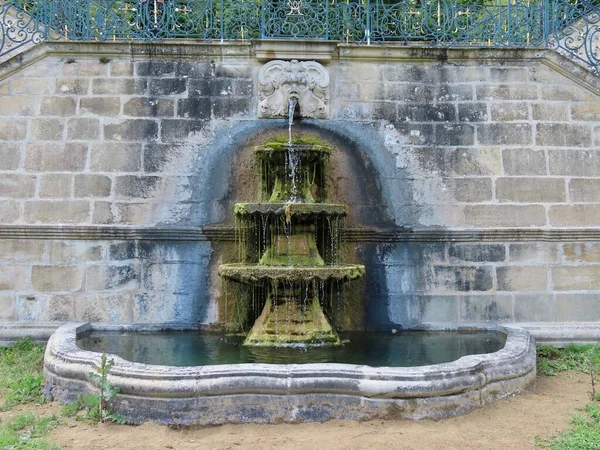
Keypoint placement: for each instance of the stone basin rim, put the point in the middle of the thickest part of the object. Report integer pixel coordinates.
(63, 345)
(270, 393)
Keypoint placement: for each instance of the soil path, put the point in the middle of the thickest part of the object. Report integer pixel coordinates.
(513, 423)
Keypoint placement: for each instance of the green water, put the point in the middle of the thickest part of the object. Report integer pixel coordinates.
(373, 349)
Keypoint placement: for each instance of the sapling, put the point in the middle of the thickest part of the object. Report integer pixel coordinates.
(107, 391)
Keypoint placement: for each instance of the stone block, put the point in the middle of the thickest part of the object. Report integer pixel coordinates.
(18, 105)
(108, 307)
(584, 190)
(83, 129)
(578, 307)
(121, 251)
(214, 87)
(10, 156)
(56, 278)
(73, 86)
(180, 130)
(149, 107)
(13, 277)
(13, 129)
(46, 129)
(167, 86)
(22, 250)
(472, 162)
(522, 278)
(564, 92)
(118, 86)
(586, 112)
(132, 213)
(31, 86)
(409, 112)
(194, 108)
(92, 186)
(102, 213)
(477, 253)
(409, 93)
(134, 130)
(56, 186)
(524, 161)
(485, 308)
(164, 157)
(69, 252)
(450, 92)
(496, 92)
(509, 74)
(583, 163)
(473, 112)
(586, 252)
(17, 186)
(505, 215)
(461, 278)
(575, 215)
(504, 133)
(112, 277)
(439, 309)
(576, 278)
(100, 106)
(85, 68)
(563, 135)
(58, 106)
(7, 307)
(535, 308)
(121, 69)
(59, 308)
(58, 212)
(531, 190)
(227, 107)
(413, 133)
(404, 310)
(454, 135)
(509, 112)
(154, 68)
(550, 112)
(533, 253)
(116, 157)
(131, 186)
(470, 189)
(10, 211)
(56, 157)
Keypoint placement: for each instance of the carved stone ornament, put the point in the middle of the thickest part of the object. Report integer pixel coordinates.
(305, 81)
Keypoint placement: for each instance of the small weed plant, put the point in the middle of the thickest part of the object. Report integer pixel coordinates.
(96, 406)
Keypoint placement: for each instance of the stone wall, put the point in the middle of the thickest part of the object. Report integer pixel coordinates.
(490, 160)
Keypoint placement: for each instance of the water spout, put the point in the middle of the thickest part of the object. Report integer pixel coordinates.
(292, 102)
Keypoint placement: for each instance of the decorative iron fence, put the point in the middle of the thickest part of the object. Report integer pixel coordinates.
(571, 26)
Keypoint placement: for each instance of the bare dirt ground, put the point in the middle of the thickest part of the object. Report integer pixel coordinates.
(543, 410)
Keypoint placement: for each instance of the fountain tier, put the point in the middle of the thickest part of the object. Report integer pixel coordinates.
(289, 248)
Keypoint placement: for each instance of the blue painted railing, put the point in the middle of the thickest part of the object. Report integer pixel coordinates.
(571, 26)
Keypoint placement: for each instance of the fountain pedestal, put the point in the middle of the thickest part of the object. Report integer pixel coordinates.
(289, 247)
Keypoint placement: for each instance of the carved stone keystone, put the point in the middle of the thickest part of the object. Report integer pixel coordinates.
(305, 81)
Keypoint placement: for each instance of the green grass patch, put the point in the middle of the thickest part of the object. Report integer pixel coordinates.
(572, 357)
(24, 432)
(584, 435)
(20, 376)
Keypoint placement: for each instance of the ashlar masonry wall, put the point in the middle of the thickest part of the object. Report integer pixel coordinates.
(488, 164)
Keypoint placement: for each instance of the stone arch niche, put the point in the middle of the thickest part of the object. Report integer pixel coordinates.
(352, 180)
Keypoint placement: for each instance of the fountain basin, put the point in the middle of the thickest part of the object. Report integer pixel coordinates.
(271, 393)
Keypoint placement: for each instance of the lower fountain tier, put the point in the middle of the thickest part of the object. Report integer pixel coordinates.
(254, 273)
(291, 209)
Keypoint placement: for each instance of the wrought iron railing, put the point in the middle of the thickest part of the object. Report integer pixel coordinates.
(571, 26)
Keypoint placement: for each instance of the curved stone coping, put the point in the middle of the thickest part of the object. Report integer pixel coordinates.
(275, 392)
(291, 209)
(256, 272)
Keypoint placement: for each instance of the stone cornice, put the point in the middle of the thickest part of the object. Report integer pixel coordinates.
(357, 235)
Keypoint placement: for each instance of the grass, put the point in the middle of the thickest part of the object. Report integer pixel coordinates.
(585, 432)
(20, 383)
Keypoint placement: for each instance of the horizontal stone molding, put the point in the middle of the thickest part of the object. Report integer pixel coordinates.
(227, 234)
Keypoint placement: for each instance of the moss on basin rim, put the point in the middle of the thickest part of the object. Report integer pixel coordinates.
(291, 209)
(254, 272)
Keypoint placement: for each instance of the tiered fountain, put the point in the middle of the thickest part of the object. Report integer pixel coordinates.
(289, 248)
